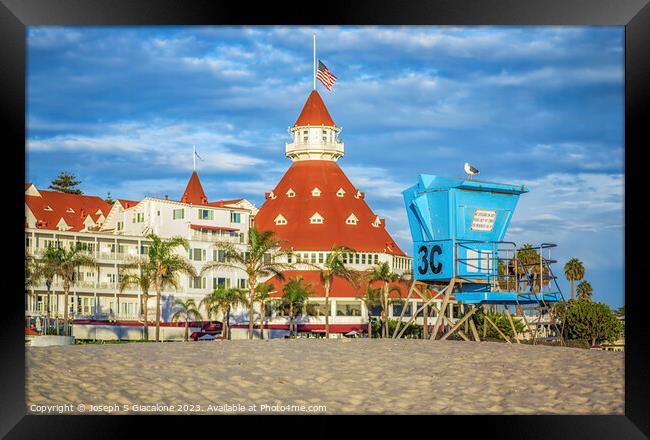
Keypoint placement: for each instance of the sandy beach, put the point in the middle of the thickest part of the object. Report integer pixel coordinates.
(312, 376)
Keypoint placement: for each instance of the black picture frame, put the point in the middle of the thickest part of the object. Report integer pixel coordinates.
(15, 15)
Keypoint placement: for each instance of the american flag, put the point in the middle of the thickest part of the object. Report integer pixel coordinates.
(325, 76)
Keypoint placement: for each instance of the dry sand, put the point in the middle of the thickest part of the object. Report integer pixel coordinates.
(315, 376)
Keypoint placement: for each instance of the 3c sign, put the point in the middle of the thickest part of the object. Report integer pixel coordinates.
(428, 260)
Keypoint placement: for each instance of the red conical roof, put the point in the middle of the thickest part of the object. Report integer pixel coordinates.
(194, 193)
(314, 112)
(303, 177)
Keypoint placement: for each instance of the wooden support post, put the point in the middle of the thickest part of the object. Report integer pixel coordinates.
(414, 315)
(484, 322)
(401, 316)
(512, 325)
(498, 330)
(462, 335)
(472, 327)
(458, 324)
(443, 307)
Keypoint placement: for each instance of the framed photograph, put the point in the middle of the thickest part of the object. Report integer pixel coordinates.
(373, 209)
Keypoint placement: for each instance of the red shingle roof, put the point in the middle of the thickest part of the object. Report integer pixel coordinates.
(299, 234)
(314, 112)
(60, 203)
(222, 203)
(194, 193)
(127, 203)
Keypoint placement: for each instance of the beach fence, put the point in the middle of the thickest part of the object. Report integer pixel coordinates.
(458, 227)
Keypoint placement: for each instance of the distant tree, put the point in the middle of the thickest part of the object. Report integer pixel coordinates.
(109, 199)
(223, 299)
(263, 296)
(295, 299)
(371, 298)
(334, 266)
(186, 311)
(381, 272)
(66, 183)
(142, 279)
(592, 321)
(620, 311)
(574, 271)
(585, 291)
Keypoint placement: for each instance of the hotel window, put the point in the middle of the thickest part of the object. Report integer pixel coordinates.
(178, 214)
(219, 255)
(351, 220)
(197, 254)
(315, 309)
(376, 259)
(220, 282)
(321, 257)
(363, 258)
(340, 192)
(313, 258)
(144, 249)
(356, 258)
(120, 226)
(348, 308)
(315, 192)
(316, 219)
(289, 258)
(280, 220)
(241, 283)
(426, 309)
(206, 214)
(235, 217)
(291, 193)
(138, 217)
(397, 309)
(197, 282)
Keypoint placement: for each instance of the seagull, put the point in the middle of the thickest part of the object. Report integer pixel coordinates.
(470, 170)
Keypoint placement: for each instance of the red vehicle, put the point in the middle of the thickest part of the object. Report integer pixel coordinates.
(213, 328)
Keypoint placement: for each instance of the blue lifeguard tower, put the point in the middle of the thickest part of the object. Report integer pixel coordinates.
(458, 227)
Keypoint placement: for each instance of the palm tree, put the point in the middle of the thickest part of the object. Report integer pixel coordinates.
(64, 263)
(334, 266)
(143, 279)
(165, 265)
(295, 298)
(585, 291)
(222, 300)
(381, 272)
(574, 271)
(529, 262)
(371, 298)
(263, 296)
(186, 310)
(259, 261)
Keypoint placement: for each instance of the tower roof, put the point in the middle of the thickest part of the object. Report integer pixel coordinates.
(344, 218)
(194, 193)
(314, 112)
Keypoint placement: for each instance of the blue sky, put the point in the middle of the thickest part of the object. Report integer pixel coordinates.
(121, 108)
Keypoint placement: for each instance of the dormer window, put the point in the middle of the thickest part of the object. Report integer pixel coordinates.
(340, 192)
(291, 193)
(351, 220)
(47, 208)
(377, 222)
(280, 220)
(272, 195)
(315, 192)
(316, 219)
(358, 195)
(70, 210)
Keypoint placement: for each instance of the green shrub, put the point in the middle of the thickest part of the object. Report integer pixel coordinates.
(591, 321)
(500, 320)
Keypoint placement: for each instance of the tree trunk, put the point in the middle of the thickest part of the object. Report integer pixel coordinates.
(157, 312)
(145, 300)
(572, 290)
(262, 311)
(327, 308)
(225, 327)
(251, 306)
(66, 289)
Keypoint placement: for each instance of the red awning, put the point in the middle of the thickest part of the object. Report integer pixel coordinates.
(213, 228)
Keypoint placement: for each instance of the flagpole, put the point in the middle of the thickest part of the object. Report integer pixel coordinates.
(314, 60)
(194, 157)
